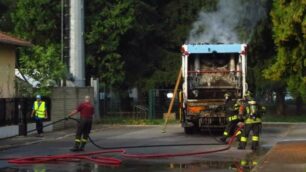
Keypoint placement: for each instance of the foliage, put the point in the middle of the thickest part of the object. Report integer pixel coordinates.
(133, 121)
(44, 65)
(151, 47)
(288, 118)
(106, 22)
(288, 19)
(37, 21)
(5, 19)
(261, 53)
(136, 43)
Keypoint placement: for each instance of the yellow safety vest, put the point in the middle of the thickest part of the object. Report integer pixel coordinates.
(40, 111)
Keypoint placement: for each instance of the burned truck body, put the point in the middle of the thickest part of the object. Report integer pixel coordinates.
(209, 71)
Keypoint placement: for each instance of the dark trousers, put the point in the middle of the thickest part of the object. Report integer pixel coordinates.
(230, 128)
(255, 128)
(83, 130)
(39, 125)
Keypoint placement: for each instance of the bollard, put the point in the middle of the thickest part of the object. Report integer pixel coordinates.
(22, 122)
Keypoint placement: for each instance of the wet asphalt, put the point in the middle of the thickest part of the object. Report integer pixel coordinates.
(120, 136)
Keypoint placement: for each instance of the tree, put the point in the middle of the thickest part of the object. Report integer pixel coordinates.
(261, 51)
(151, 48)
(106, 22)
(5, 20)
(44, 65)
(289, 33)
(39, 22)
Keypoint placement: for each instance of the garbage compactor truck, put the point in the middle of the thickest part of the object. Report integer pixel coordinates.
(209, 71)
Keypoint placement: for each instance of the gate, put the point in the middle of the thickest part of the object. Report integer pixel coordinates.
(10, 108)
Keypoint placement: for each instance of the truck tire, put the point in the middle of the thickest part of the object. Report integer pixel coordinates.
(189, 130)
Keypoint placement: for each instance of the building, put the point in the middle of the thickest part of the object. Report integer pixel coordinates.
(8, 45)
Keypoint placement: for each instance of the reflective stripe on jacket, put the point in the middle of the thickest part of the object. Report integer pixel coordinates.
(232, 118)
(40, 110)
(251, 120)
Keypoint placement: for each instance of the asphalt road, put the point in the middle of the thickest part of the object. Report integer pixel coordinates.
(120, 136)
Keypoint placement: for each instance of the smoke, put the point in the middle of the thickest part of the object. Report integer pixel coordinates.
(232, 22)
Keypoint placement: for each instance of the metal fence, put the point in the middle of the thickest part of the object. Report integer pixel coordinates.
(152, 106)
(124, 108)
(12, 110)
(159, 103)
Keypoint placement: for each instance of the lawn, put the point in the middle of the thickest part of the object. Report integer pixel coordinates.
(130, 121)
(284, 118)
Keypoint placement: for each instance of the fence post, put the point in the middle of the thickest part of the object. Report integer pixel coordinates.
(152, 111)
(22, 121)
(95, 84)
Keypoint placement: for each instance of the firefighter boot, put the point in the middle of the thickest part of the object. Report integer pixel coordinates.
(75, 147)
(255, 146)
(82, 146)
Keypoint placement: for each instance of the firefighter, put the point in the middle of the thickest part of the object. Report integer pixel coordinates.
(252, 115)
(243, 103)
(231, 110)
(248, 96)
(86, 110)
(39, 113)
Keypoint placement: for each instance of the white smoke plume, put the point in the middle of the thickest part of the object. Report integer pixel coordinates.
(230, 18)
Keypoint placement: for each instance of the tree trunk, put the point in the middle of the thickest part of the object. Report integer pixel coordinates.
(280, 102)
(299, 105)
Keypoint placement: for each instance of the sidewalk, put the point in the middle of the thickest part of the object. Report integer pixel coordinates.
(287, 155)
(32, 138)
(284, 156)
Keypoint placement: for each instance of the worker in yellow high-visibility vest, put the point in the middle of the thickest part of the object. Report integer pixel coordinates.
(39, 113)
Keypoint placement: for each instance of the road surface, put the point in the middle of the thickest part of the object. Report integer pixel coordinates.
(121, 136)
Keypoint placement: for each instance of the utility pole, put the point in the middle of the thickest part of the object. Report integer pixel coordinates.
(76, 51)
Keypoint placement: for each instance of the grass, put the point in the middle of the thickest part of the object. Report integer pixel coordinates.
(284, 118)
(130, 121)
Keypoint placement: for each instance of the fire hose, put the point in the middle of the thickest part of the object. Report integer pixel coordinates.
(96, 156)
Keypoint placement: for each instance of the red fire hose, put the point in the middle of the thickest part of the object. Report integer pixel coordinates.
(97, 157)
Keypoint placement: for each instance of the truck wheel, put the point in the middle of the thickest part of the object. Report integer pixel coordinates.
(189, 130)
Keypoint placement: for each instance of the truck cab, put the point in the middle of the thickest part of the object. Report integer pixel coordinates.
(209, 71)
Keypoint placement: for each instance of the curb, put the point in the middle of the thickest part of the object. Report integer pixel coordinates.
(10, 146)
(39, 140)
(6, 147)
(284, 123)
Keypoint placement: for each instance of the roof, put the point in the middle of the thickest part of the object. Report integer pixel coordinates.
(12, 40)
(211, 48)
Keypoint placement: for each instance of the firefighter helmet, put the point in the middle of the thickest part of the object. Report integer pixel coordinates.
(227, 95)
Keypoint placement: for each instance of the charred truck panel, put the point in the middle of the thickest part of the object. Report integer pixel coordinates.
(210, 71)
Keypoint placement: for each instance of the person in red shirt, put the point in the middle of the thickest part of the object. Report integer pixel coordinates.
(86, 110)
